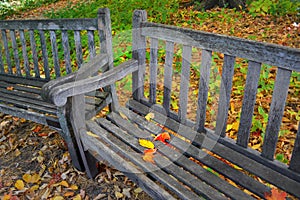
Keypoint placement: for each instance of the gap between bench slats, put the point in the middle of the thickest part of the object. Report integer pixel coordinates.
(208, 160)
(233, 156)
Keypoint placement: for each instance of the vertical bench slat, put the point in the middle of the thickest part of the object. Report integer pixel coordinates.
(45, 55)
(15, 51)
(295, 160)
(55, 53)
(248, 103)
(78, 48)
(6, 49)
(184, 82)
(34, 54)
(24, 53)
(153, 69)
(203, 89)
(66, 46)
(225, 93)
(138, 53)
(168, 76)
(1, 60)
(276, 112)
(91, 42)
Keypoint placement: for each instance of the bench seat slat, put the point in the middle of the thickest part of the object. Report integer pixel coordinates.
(120, 146)
(21, 80)
(231, 155)
(22, 88)
(248, 103)
(276, 112)
(202, 156)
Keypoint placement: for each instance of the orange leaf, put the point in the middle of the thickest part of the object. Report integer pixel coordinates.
(163, 137)
(10, 88)
(148, 157)
(149, 151)
(37, 129)
(275, 195)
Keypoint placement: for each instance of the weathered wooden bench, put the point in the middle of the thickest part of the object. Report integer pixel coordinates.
(38, 52)
(197, 161)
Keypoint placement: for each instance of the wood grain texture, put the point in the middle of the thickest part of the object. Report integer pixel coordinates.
(15, 52)
(78, 48)
(270, 54)
(295, 160)
(153, 70)
(44, 54)
(24, 53)
(55, 53)
(66, 47)
(168, 71)
(7, 51)
(248, 103)
(34, 54)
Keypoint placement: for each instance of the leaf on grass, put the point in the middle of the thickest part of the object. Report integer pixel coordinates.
(64, 183)
(92, 134)
(149, 116)
(69, 194)
(146, 143)
(275, 195)
(36, 129)
(163, 137)
(19, 185)
(73, 187)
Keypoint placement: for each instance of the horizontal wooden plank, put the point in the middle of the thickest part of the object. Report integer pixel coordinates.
(50, 24)
(36, 82)
(271, 54)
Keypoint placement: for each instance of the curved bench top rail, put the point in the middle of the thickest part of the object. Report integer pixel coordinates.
(271, 54)
(51, 24)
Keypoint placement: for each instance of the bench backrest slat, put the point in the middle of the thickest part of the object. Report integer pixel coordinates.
(249, 100)
(55, 53)
(34, 55)
(44, 54)
(295, 160)
(7, 54)
(24, 53)
(65, 43)
(270, 54)
(91, 42)
(184, 82)
(225, 94)
(15, 51)
(153, 72)
(1, 61)
(168, 71)
(203, 88)
(78, 48)
(276, 112)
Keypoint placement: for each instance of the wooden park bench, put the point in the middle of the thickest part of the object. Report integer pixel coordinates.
(36, 52)
(196, 161)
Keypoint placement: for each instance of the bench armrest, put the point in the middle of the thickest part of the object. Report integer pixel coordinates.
(87, 69)
(58, 95)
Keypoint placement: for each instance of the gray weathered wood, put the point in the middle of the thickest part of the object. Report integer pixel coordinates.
(91, 44)
(55, 53)
(225, 94)
(6, 49)
(45, 55)
(66, 46)
(168, 71)
(1, 60)
(138, 53)
(24, 53)
(153, 70)
(34, 54)
(248, 103)
(203, 89)
(50, 24)
(276, 112)
(270, 54)
(184, 82)
(78, 48)
(295, 160)
(15, 51)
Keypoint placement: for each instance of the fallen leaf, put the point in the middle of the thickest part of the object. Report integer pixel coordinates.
(77, 197)
(10, 88)
(58, 198)
(69, 194)
(150, 151)
(148, 155)
(163, 137)
(34, 178)
(119, 195)
(36, 129)
(19, 184)
(64, 183)
(73, 187)
(149, 116)
(146, 143)
(123, 115)
(275, 195)
(138, 190)
(92, 134)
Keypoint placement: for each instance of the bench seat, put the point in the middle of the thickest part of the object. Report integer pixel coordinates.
(181, 166)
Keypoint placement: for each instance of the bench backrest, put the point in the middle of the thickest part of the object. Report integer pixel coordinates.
(202, 47)
(49, 48)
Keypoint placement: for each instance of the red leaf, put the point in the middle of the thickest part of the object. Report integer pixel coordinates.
(37, 129)
(275, 195)
(163, 137)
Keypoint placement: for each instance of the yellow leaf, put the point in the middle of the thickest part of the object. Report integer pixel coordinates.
(64, 183)
(6, 197)
(256, 146)
(229, 127)
(69, 193)
(19, 184)
(34, 188)
(58, 198)
(146, 143)
(235, 126)
(74, 187)
(34, 178)
(17, 152)
(123, 115)
(149, 116)
(91, 134)
(27, 178)
(77, 197)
